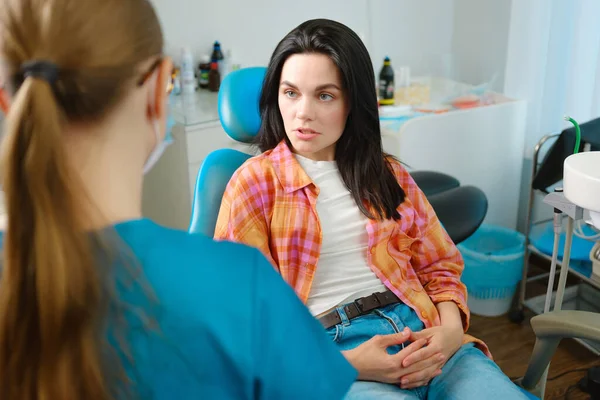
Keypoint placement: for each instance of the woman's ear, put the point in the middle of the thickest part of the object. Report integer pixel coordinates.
(163, 80)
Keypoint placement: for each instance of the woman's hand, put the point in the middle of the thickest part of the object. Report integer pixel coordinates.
(425, 364)
(442, 342)
(374, 363)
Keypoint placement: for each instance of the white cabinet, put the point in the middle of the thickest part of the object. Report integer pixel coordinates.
(482, 147)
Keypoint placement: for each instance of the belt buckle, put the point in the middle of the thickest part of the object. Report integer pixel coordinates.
(358, 303)
(361, 306)
(348, 311)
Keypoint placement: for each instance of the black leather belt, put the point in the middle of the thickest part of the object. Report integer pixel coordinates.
(359, 307)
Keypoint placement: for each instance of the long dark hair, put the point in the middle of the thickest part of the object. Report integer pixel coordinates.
(363, 165)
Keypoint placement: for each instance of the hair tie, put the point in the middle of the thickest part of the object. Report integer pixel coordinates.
(45, 70)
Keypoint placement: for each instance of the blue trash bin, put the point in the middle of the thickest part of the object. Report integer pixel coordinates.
(494, 258)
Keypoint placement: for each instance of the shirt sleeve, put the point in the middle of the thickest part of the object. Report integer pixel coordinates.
(435, 258)
(294, 358)
(242, 216)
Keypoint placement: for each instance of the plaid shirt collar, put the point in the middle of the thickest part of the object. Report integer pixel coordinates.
(288, 170)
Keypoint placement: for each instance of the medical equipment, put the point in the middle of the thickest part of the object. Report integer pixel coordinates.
(581, 192)
(547, 173)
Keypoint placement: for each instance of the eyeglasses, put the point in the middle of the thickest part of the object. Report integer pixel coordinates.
(149, 73)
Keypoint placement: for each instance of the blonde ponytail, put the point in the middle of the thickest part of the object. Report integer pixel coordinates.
(49, 284)
(55, 291)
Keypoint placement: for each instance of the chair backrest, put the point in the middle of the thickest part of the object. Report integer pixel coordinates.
(240, 118)
(238, 103)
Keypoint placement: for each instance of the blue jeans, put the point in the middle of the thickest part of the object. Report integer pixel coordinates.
(469, 374)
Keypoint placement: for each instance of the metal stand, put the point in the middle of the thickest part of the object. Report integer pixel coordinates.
(516, 314)
(561, 205)
(574, 213)
(577, 296)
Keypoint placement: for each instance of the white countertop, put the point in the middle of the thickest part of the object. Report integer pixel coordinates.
(197, 108)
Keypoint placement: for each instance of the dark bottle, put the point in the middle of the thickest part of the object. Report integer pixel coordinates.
(217, 55)
(214, 78)
(386, 83)
(204, 70)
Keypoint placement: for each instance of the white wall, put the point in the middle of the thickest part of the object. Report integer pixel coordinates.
(480, 40)
(460, 39)
(251, 29)
(417, 33)
(406, 30)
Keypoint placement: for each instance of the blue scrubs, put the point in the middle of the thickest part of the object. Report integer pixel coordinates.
(228, 326)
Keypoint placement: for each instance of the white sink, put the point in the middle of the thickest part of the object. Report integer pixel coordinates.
(581, 182)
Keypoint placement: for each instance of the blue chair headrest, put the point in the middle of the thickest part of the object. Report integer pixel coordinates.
(238, 103)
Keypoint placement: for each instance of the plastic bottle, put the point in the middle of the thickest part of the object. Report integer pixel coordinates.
(386, 83)
(188, 81)
(214, 78)
(175, 76)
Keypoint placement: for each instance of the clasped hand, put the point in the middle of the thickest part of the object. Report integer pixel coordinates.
(415, 365)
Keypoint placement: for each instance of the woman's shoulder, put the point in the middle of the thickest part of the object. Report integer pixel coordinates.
(181, 266)
(258, 163)
(156, 246)
(257, 172)
(399, 171)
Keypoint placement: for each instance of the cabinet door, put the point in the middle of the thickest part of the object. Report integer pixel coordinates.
(166, 194)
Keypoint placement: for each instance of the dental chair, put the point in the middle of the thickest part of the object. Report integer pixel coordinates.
(461, 209)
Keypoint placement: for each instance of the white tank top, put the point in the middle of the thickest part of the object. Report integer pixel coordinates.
(342, 274)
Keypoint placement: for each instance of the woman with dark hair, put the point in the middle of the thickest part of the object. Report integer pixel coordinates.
(347, 227)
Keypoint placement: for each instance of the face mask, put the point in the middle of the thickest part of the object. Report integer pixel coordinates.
(160, 147)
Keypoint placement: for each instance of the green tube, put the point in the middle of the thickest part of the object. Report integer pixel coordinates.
(577, 133)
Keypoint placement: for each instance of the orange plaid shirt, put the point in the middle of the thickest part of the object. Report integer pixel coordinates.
(270, 204)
